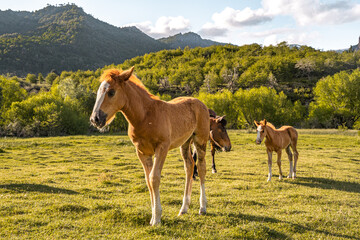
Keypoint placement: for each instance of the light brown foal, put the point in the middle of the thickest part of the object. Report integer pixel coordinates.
(276, 140)
(155, 127)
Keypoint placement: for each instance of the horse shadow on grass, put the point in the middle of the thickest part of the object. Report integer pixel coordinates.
(28, 187)
(326, 183)
(235, 218)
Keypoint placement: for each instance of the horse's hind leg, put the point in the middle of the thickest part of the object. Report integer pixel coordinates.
(201, 152)
(296, 156)
(290, 156)
(189, 169)
(279, 164)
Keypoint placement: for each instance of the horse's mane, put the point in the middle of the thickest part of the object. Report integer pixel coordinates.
(109, 74)
(268, 124)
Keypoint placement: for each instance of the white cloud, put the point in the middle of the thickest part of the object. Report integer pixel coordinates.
(164, 26)
(304, 12)
(211, 30)
(230, 18)
(271, 40)
(314, 11)
(238, 18)
(302, 38)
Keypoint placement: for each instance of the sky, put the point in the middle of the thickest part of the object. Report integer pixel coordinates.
(322, 24)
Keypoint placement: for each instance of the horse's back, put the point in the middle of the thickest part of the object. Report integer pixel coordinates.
(189, 104)
(291, 131)
(188, 116)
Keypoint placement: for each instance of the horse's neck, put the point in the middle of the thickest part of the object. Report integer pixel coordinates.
(270, 133)
(138, 101)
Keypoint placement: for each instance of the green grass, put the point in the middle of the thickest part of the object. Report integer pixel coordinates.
(93, 187)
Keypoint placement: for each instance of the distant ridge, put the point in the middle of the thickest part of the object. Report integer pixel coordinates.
(189, 39)
(64, 37)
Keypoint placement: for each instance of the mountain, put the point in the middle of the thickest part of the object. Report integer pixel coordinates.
(355, 47)
(65, 38)
(189, 39)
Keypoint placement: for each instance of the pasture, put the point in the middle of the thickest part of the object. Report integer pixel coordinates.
(93, 187)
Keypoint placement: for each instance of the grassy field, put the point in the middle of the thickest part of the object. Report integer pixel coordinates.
(93, 187)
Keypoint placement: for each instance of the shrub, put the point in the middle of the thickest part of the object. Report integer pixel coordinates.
(337, 100)
(44, 115)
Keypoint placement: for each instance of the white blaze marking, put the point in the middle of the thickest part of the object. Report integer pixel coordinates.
(104, 86)
(258, 133)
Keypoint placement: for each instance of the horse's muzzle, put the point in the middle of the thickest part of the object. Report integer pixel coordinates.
(227, 148)
(98, 119)
(258, 142)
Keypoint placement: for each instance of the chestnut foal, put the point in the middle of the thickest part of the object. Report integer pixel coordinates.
(155, 127)
(276, 140)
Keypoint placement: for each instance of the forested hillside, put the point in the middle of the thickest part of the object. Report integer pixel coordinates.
(300, 86)
(66, 38)
(295, 71)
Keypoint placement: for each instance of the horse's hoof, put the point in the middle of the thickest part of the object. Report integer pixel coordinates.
(196, 174)
(280, 177)
(155, 223)
(202, 211)
(214, 171)
(269, 179)
(182, 212)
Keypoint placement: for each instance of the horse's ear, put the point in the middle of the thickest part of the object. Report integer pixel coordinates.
(265, 122)
(256, 123)
(222, 120)
(125, 75)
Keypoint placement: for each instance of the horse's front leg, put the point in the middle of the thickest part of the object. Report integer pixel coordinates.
(154, 179)
(147, 164)
(279, 164)
(213, 150)
(269, 164)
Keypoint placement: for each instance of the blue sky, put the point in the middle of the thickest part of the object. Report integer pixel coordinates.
(322, 24)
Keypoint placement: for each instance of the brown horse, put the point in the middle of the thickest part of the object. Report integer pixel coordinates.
(219, 139)
(155, 127)
(276, 140)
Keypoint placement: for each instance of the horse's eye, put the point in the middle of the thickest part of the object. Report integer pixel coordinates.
(111, 93)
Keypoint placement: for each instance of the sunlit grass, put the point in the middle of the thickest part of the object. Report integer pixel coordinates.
(93, 187)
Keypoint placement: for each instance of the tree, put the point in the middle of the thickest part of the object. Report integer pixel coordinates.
(51, 77)
(306, 66)
(31, 78)
(45, 114)
(10, 91)
(337, 99)
(40, 78)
